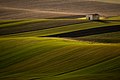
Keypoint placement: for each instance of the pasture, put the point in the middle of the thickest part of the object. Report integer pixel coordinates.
(48, 49)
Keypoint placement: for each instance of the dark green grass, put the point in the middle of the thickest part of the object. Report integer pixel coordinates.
(8, 21)
(34, 25)
(112, 37)
(65, 29)
(25, 56)
(57, 59)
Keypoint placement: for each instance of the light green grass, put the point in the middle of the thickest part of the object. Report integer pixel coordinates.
(44, 58)
(25, 58)
(26, 21)
(114, 18)
(20, 22)
(65, 29)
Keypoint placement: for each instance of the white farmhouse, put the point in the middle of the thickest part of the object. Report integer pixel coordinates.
(92, 17)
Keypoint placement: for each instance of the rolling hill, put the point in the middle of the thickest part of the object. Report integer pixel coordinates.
(59, 28)
(35, 58)
(54, 8)
(62, 48)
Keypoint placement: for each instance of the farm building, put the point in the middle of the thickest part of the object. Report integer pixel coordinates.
(92, 17)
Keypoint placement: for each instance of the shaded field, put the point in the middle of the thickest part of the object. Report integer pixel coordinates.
(34, 25)
(33, 58)
(27, 54)
(70, 28)
(8, 21)
(66, 29)
(69, 17)
(91, 31)
(112, 37)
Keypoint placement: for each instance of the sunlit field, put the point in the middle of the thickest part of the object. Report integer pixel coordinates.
(47, 40)
(33, 55)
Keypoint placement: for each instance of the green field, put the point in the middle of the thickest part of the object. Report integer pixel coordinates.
(65, 29)
(113, 37)
(26, 55)
(57, 59)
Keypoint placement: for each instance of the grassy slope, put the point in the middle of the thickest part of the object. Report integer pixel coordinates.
(42, 24)
(36, 24)
(33, 58)
(113, 37)
(106, 35)
(14, 23)
(65, 29)
(114, 18)
(28, 58)
(21, 22)
(8, 21)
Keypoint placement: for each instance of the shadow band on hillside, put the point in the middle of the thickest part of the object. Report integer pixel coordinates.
(88, 32)
(22, 28)
(69, 17)
(107, 21)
